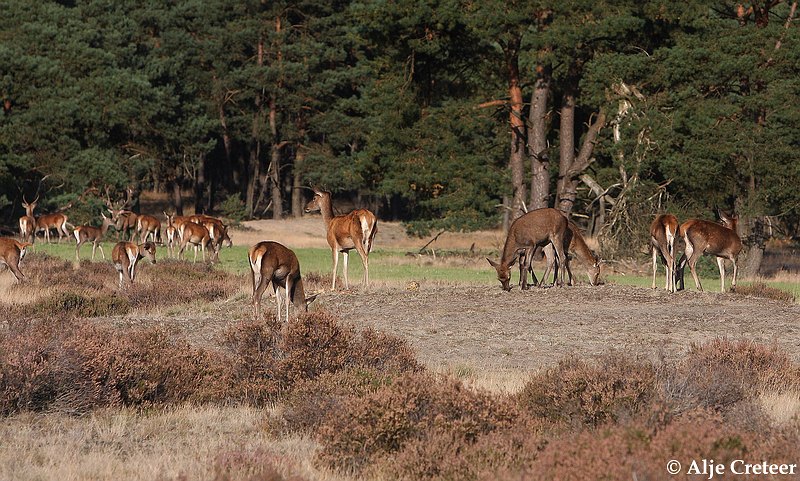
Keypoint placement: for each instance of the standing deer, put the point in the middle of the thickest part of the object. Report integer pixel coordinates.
(125, 221)
(273, 263)
(12, 252)
(126, 255)
(704, 237)
(663, 230)
(534, 229)
(176, 221)
(27, 223)
(87, 233)
(198, 236)
(53, 221)
(355, 230)
(573, 242)
(147, 225)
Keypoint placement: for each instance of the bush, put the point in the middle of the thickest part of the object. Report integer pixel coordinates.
(233, 208)
(363, 430)
(578, 392)
(761, 289)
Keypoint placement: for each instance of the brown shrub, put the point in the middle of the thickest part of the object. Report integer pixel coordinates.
(363, 430)
(310, 401)
(761, 289)
(249, 466)
(81, 304)
(578, 392)
(76, 366)
(270, 358)
(721, 373)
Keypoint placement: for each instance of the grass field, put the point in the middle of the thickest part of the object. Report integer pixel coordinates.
(394, 265)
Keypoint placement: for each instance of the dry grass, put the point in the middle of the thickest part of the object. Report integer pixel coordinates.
(782, 407)
(186, 442)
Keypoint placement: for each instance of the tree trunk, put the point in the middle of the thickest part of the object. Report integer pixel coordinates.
(275, 183)
(566, 140)
(516, 160)
(255, 141)
(200, 186)
(297, 188)
(177, 198)
(537, 145)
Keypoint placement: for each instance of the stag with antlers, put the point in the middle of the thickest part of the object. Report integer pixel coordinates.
(355, 230)
(87, 233)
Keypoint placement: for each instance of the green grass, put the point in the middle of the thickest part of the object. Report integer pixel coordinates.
(393, 265)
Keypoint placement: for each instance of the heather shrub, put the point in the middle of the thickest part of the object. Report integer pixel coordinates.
(249, 466)
(721, 373)
(81, 304)
(761, 289)
(76, 366)
(381, 423)
(310, 401)
(270, 357)
(579, 392)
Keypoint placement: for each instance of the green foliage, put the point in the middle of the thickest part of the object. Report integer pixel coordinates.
(233, 208)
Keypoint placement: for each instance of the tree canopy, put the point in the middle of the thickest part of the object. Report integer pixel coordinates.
(439, 113)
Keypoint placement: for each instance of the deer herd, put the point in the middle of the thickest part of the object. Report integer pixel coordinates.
(273, 264)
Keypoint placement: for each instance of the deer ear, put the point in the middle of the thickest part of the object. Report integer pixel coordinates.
(311, 299)
(492, 263)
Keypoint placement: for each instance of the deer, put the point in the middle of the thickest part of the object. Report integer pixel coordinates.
(198, 236)
(56, 221)
(216, 229)
(27, 223)
(12, 252)
(705, 237)
(355, 230)
(663, 230)
(534, 229)
(176, 221)
(573, 242)
(147, 225)
(275, 264)
(126, 255)
(125, 221)
(86, 233)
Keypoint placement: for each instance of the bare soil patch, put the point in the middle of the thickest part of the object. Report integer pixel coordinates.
(483, 327)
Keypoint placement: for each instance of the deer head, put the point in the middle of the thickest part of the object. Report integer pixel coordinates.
(503, 273)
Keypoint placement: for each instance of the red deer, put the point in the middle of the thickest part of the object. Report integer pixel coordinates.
(171, 233)
(126, 255)
(177, 221)
(12, 252)
(534, 229)
(573, 242)
(216, 229)
(273, 263)
(27, 223)
(663, 230)
(125, 221)
(704, 237)
(147, 225)
(52, 221)
(198, 236)
(86, 233)
(355, 230)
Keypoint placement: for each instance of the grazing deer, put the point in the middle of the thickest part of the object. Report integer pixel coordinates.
(198, 236)
(573, 242)
(12, 252)
(273, 263)
(125, 257)
(147, 225)
(87, 233)
(218, 233)
(704, 237)
(27, 223)
(534, 229)
(663, 230)
(355, 230)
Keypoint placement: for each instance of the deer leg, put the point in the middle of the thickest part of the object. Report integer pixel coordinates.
(364, 261)
(13, 266)
(733, 281)
(721, 264)
(345, 260)
(571, 280)
(558, 244)
(693, 255)
(94, 249)
(335, 266)
(258, 291)
(655, 266)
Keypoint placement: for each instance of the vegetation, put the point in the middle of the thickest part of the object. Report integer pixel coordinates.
(616, 110)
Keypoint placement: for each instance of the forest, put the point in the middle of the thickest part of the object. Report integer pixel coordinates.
(443, 114)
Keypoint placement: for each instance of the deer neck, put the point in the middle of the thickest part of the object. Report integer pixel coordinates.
(326, 209)
(510, 251)
(299, 297)
(583, 251)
